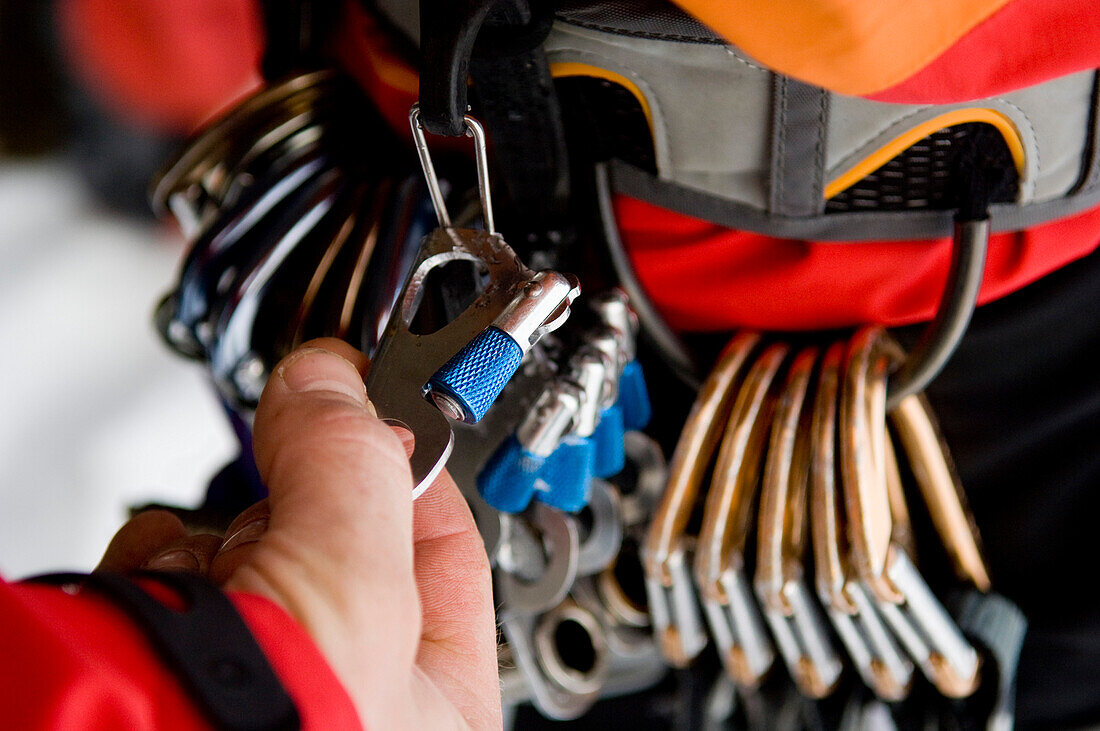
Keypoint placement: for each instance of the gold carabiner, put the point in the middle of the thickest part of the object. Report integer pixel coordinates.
(828, 536)
(879, 528)
(797, 623)
(720, 568)
(939, 484)
(781, 527)
(879, 661)
(698, 440)
(863, 461)
(672, 604)
(736, 473)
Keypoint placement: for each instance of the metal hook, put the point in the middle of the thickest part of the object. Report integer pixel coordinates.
(473, 129)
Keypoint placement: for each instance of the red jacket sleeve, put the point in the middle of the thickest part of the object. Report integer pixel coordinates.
(77, 662)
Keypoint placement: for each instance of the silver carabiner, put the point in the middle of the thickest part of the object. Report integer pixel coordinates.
(475, 130)
(929, 634)
(416, 380)
(673, 608)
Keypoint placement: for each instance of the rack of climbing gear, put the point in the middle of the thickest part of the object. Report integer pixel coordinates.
(773, 535)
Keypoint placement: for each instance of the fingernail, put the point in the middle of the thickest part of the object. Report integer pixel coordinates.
(182, 560)
(315, 369)
(247, 533)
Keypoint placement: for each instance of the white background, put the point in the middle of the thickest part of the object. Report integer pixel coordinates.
(95, 413)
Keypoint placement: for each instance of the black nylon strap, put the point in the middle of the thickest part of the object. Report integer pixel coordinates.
(998, 626)
(517, 103)
(448, 30)
(800, 122)
(206, 644)
(497, 44)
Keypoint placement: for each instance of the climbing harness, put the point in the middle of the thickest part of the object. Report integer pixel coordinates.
(803, 517)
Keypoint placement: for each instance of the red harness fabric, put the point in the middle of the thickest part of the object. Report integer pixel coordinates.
(704, 277)
(78, 662)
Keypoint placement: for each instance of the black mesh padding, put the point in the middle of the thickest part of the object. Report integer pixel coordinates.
(920, 177)
(655, 19)
(605, 121)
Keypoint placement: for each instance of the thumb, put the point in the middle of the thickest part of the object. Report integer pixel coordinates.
(338, 550)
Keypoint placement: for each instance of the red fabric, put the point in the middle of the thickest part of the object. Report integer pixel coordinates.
(168, 65)
(703, 277)
(76, 662)
(174, 65)
(1025, 43)
(368, 54)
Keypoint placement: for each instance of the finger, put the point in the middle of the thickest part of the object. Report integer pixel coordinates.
(337, 553)
(241, 539)
(342, 349)
(191, 553)
(458, 648)
(139, 539)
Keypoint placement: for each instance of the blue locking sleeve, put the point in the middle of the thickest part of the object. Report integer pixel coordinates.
(507, 481)
(634, 397)
(565, 478)
(608, 441)
(476, 375)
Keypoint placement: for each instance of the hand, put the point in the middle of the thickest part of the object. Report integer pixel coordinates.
(396, 594)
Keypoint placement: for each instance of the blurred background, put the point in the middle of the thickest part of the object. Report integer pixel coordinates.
(96, 415)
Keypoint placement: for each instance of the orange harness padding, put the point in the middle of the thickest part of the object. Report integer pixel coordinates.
(935, 51)
(1025, 43)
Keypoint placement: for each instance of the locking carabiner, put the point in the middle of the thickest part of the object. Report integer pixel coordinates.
(463, 366)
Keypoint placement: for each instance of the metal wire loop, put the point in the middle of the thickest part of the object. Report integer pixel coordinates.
(473, 129)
